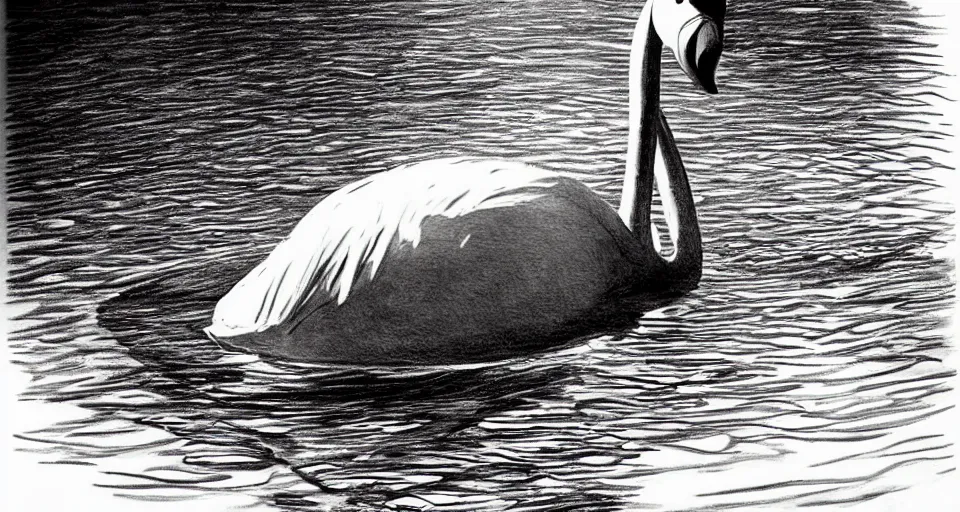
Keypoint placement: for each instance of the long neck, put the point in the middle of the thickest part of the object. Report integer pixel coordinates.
(647, 128)
(642, 136)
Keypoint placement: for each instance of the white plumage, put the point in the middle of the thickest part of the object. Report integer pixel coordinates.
(339, 245)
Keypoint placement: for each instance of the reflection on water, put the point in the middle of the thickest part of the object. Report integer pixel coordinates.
(160, 151)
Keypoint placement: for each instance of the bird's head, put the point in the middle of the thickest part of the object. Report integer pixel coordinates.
(693, 29)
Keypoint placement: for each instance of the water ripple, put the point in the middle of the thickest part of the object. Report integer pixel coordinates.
(158, 151)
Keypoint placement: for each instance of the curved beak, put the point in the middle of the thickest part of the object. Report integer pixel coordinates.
(698, 49)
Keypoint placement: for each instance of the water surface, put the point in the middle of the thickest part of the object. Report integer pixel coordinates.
(158, 152)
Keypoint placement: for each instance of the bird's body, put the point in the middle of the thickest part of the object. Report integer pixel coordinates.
(465, 260)
(492, 256)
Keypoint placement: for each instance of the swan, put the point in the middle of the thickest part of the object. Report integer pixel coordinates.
(467, 260)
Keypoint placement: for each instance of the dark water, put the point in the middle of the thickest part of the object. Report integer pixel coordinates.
(158, 152)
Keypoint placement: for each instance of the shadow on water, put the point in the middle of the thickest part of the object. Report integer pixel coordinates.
(430, 410)
(294, 408)
(283, 413)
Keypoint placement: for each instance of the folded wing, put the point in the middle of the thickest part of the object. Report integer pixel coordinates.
(340, 244)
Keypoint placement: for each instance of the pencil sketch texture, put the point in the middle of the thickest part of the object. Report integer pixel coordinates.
(349, 196)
